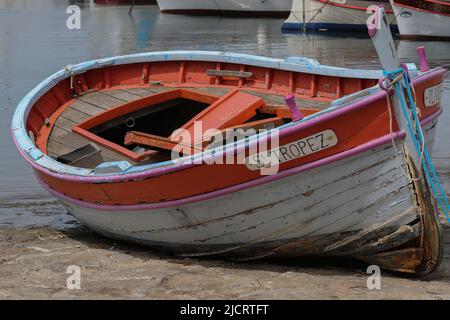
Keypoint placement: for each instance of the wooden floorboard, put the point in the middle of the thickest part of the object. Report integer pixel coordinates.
(140, 92)
(147, 91)
(87, 107)
(159, 89)
(64, 123)
(211, 90)
(123, 95)
(56, 132)
(100, 99)
(71, 141)
(76, 115)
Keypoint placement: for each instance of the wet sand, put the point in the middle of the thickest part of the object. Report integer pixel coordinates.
(34, 261)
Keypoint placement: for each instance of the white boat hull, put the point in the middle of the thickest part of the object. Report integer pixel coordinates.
(345, 15)
(418, 23)
(226, 6)
(340, 208)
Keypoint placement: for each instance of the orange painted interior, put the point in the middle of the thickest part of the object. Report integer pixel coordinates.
(189, 73)
(84, 127)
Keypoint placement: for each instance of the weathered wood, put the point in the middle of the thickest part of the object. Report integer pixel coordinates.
(87, 156)
(122, 95)
(432, 233)
(156, 89)
(310, 199)
(432, 239)
(55, 149)
(70, 141)
(56, 132)
(75, 115)
(324, 203)
(403, 260)
(100, 99)
(65, 123)
(218, 91)
(146, 91)
(376, 240)
(87, 108)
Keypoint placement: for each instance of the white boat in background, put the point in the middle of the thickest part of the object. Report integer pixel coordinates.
(263, 8)
(422, 18)
(333, 15)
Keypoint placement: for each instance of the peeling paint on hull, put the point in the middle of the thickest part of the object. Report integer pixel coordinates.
(359, 206)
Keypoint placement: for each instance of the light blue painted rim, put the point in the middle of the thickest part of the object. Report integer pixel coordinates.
(297, 64)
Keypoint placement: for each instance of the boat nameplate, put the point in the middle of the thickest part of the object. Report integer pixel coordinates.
(433, 95)
(293, 150)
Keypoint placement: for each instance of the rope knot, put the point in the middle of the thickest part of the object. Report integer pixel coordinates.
(71, 73)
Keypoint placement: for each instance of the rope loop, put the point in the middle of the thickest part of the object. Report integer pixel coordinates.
(71, 73)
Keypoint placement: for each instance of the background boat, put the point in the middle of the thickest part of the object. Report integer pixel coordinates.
(422, 18)
(271, 8)
(332, 15)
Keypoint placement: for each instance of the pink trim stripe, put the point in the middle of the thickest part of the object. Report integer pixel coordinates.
(336, 157)
(348, 153)
(165, 170)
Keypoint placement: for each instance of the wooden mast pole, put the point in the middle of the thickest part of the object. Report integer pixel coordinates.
(383, 42)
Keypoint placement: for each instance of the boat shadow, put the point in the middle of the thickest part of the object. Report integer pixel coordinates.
(329, 266)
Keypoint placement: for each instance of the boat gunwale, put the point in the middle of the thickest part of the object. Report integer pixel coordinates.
(35, 157)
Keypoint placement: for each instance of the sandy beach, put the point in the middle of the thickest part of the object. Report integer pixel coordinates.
(34, 262)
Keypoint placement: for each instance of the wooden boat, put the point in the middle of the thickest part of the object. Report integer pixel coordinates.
(423, 18)
(334, 15)
(100, 136)
(278, 8)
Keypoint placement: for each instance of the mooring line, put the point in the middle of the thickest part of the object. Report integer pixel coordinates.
(425, 160)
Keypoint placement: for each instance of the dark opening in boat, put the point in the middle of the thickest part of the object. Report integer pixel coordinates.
(160, 120)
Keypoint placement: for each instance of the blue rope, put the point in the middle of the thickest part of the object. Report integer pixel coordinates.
(426, 162)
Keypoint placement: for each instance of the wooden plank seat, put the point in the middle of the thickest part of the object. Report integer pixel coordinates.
(229, 73)
(158, 142)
